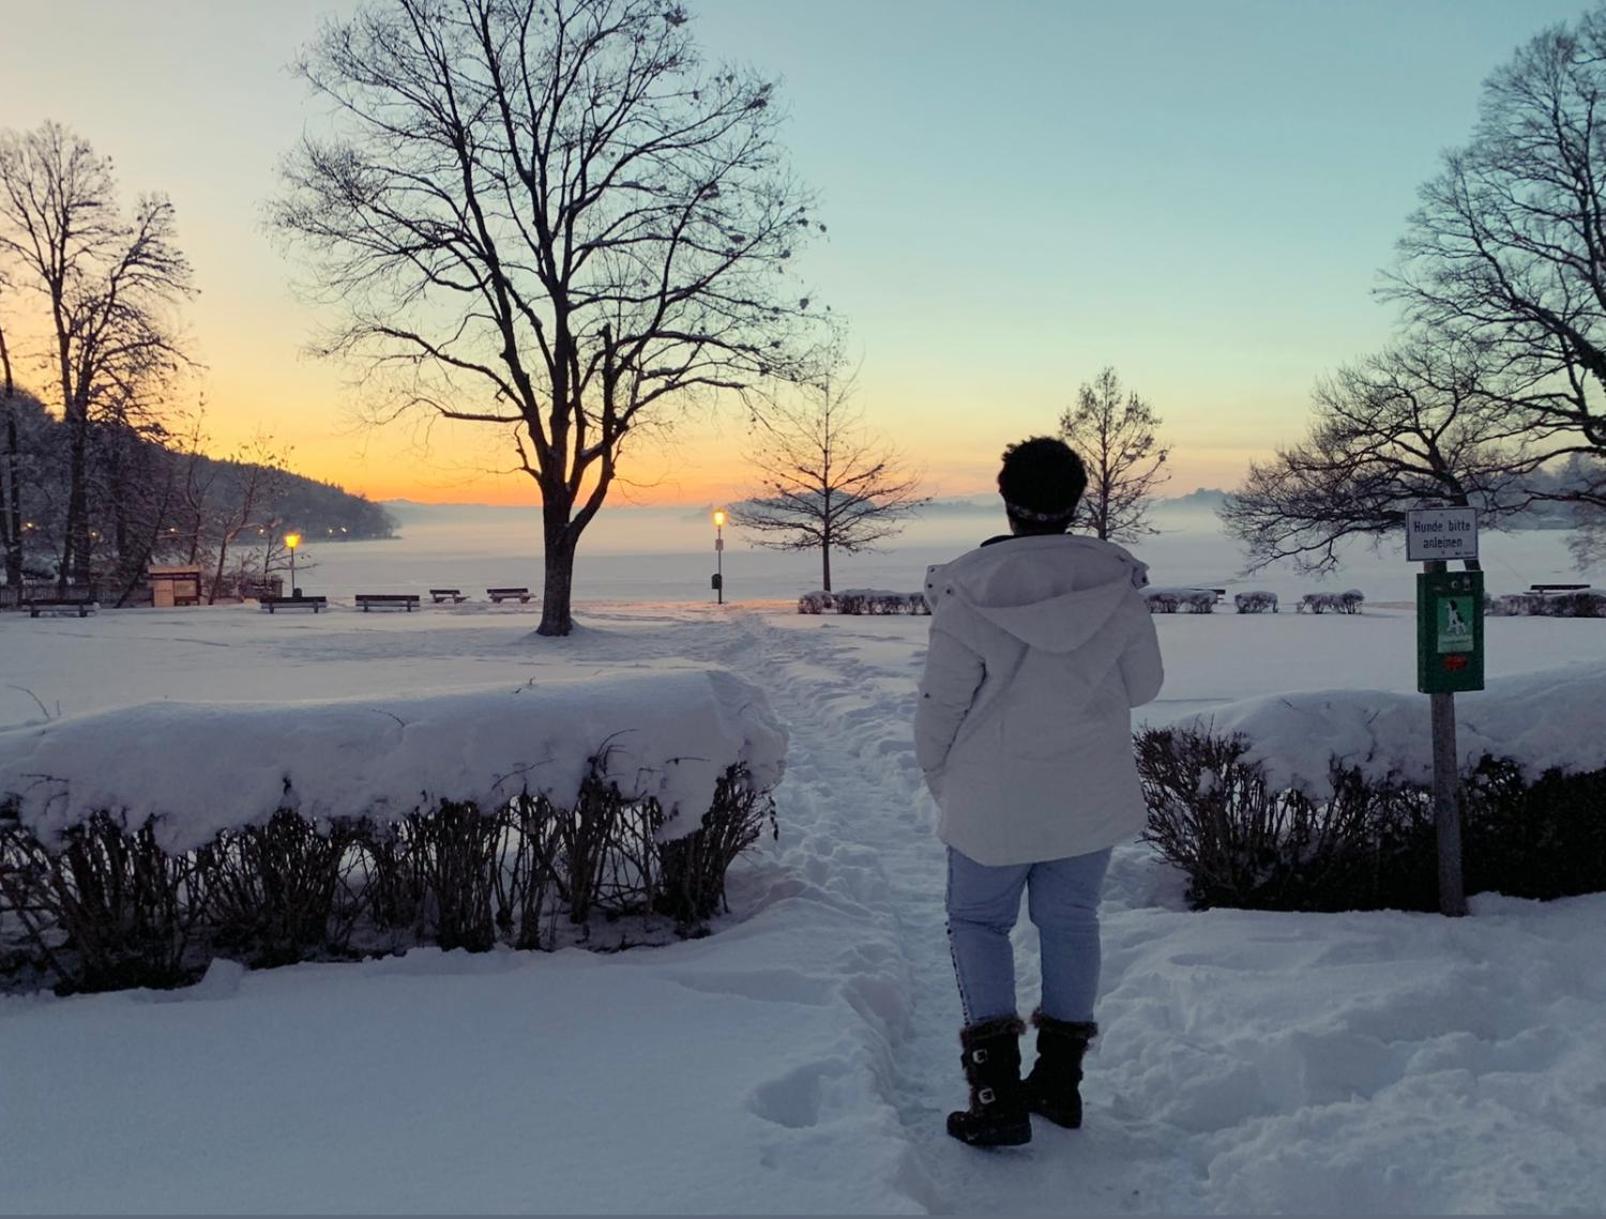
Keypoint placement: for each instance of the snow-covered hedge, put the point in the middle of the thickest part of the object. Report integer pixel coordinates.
(1573, 603)
(1170, 600)
(1347, 602)
(863, 601)
(1323, 800)
(1258, 602)
(1552, 720)
(663, 736)
(136, 844)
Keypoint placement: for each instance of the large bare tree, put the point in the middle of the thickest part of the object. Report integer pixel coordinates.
(1114, 433)
(109, 281)
(550, 217)
(828, 484)
(1508, 247)
(1411, 427)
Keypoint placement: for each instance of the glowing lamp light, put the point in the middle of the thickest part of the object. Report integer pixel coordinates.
(292, 540)
(719, 517)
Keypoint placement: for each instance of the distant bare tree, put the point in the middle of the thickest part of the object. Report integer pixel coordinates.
(259, 470)
(1409, 427)
(828, 484)
(1114, 433)
(108, 282)
(552, 202)
(1508, 248)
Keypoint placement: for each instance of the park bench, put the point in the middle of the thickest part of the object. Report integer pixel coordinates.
(454, 595)
(278, 603)
(499, 595)
(61, 605)
(406, 601)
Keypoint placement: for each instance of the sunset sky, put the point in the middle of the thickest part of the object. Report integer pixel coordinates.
(1201, 194)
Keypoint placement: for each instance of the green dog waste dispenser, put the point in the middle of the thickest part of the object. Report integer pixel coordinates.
(1449, 632)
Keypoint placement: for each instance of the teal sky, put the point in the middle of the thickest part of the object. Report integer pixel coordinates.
(1018, 193)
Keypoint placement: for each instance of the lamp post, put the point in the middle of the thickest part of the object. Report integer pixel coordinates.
(719, 555)
(291, 541)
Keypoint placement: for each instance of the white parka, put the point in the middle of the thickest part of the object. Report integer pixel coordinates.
(1040, 647)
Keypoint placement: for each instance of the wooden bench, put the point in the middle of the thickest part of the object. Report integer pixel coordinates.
(367, 601)
(314, 604)
(454, 595)
(1558, 588)
(61, 605)
(499, 595)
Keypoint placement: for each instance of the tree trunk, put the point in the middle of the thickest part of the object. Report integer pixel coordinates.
(556, 618)
(75, 556)
(11, 510)
(825, 562)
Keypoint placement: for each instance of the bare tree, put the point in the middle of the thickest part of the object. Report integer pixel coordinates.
(1410, 427)
(547, 216)
(1113, 431)
(1508, 247)
(108, 282)
(828, 484)
(258, 482)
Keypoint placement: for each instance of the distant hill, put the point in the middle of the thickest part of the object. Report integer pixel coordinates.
(325, 512)
(1205, 499)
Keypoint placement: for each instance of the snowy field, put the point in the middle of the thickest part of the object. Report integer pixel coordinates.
(802, 1058)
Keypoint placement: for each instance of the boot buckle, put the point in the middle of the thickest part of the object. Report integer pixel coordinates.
(986, 1096)
(978, 1056)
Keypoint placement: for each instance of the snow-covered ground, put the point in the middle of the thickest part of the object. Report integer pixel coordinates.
(802, 1058)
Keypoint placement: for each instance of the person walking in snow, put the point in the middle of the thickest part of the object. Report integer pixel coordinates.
(1041, 644)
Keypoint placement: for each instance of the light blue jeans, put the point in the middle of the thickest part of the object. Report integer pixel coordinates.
(1063, 901)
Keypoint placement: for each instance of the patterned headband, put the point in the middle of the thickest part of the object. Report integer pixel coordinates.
(1045, 518)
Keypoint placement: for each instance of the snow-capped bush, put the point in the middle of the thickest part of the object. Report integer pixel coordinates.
(283, 833)
(1259, 602)
(1570, 603)
(1323, 801)
(879, 601)
(816, 602)
(1347, 602)
(1170, 600)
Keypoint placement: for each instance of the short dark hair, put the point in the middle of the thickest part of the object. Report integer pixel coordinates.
(1042, 481)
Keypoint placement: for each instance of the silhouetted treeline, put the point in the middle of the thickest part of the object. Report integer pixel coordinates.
(152, 497)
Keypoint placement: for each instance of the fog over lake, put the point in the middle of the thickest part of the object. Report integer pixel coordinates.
(667, 554)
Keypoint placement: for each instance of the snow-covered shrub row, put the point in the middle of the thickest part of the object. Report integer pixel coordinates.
(1347, 602)
(368, 846)
(1576, 603)
(1170, 600)
(1258, 602)
(669, 736)
(863, 601)
(1324, 801)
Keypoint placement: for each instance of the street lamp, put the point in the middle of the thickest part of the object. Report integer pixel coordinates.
(719, 555)
(291, 541)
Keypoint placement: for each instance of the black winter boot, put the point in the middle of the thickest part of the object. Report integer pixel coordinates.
(997, 1116)
(1052, 1087)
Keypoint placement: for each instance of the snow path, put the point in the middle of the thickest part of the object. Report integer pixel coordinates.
(849, 718)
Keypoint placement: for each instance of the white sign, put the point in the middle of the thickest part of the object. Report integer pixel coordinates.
(1441, 533)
